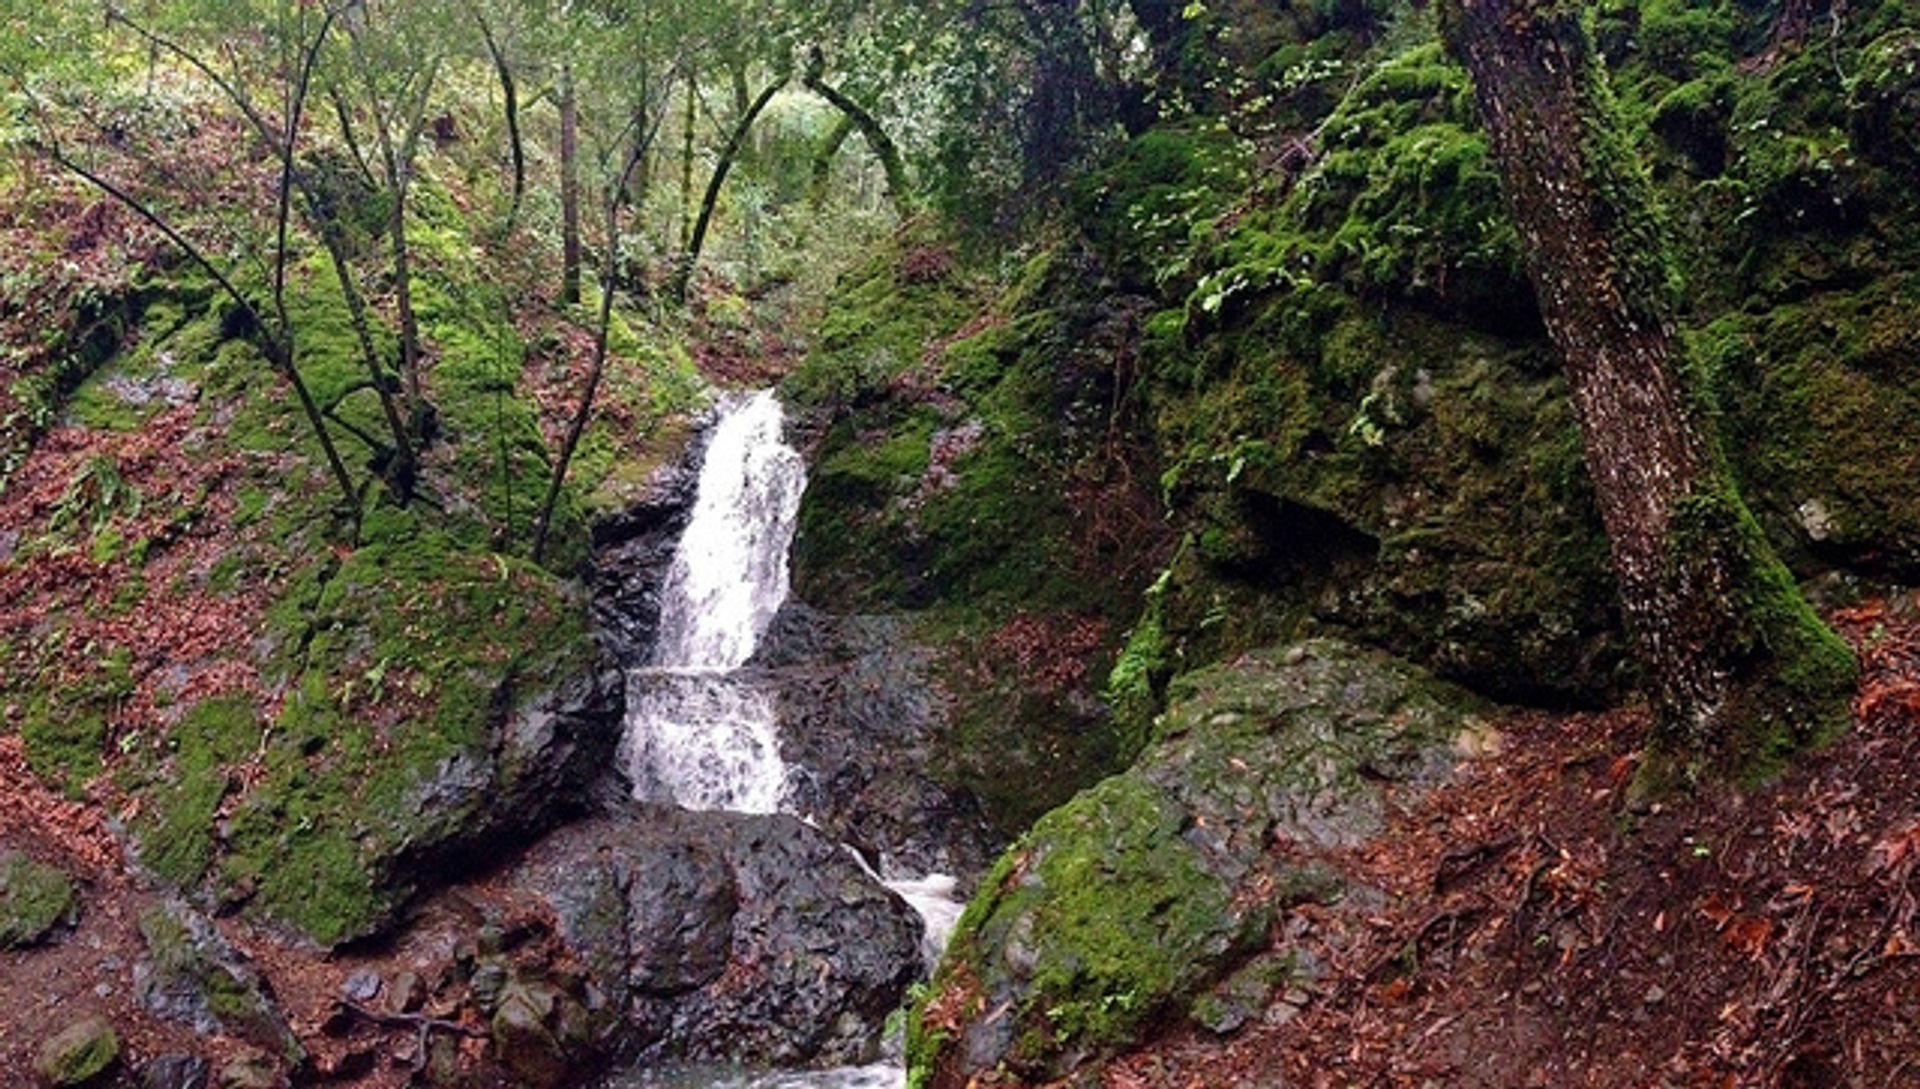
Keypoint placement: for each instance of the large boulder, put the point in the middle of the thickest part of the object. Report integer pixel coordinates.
(727, 937)
(1158, 892)
(544, 758)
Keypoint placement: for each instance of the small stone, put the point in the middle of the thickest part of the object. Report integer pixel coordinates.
(491, 940)
(521, 1036)
(362, 986)
(249, 1072)
(1655, 995)
(489, 979)
(78, 1053)
(409, 993)
(34, 900)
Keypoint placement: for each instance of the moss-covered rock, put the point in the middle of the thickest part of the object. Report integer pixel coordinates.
(35, 899)
(81, 1054)
(192, 975)
(1144, 892)
(984, 482)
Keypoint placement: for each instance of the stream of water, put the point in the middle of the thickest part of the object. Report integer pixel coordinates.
(699, 732)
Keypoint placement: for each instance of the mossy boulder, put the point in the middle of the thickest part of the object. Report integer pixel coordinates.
(35, 899)
(1139, 896)
(81, 1054)
(441, 702)
(191, 974)
(1386, 472)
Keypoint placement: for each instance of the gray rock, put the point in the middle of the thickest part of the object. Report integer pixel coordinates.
(634, 548)
(192, 975)
(177, 1072)
(362, 986)
(536, 773)
(251, 1072)
(722, 937)
(861, 721)
(408, 993)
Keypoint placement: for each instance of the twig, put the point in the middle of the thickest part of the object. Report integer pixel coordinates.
(411, 1020)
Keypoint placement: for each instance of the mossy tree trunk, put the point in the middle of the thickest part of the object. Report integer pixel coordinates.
(870, 128)
(1740, 670)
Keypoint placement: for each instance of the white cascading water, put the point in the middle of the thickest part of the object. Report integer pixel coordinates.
(699, 734)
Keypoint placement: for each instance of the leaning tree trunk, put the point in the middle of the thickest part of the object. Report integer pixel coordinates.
(877, 140)
(1740, 669)
(731, 153)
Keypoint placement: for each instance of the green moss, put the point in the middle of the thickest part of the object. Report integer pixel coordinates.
(81, 1054)
(176, 830)
(34, 899)
(1789, 680)
(66, 736)
(1816, 404)
(410, 644)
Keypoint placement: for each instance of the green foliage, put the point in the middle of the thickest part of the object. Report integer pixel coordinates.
(1397, 198)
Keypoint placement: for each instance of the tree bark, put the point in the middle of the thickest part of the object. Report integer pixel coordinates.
(823, 157)
(686, 164)
(1739, 669)
(569, 190)
(510, 94)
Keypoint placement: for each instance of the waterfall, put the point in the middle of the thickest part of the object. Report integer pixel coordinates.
(698, 734)
(729, 575)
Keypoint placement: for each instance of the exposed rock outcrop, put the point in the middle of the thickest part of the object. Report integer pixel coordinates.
(1157, 893)
(727, 937)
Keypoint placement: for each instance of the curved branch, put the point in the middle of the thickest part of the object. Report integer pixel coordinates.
(876, 136)
(735, 142)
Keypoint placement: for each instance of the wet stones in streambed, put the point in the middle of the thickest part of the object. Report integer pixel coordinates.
(727, 937)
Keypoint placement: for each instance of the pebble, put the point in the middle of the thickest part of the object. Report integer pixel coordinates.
(361, 986)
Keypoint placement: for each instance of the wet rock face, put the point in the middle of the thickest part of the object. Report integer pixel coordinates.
(727, 937)
(633, 549)
(545, 758)
(1159, 891)
(860, 720)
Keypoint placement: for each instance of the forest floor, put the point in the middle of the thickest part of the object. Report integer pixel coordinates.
(1534, 933)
